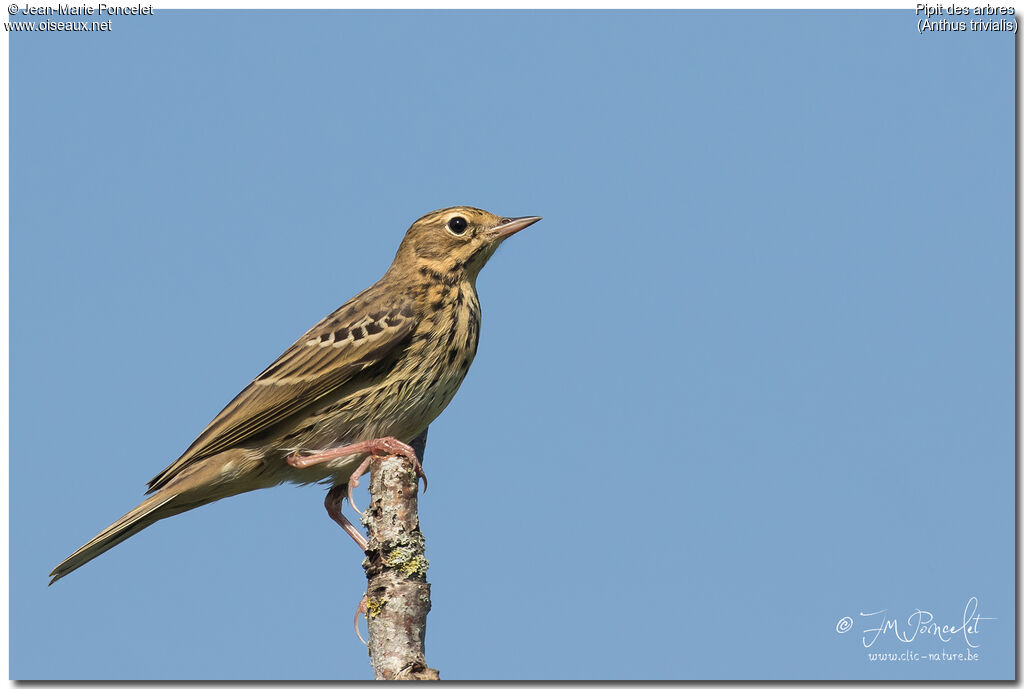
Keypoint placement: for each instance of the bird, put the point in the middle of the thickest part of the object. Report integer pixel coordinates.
(365, 381)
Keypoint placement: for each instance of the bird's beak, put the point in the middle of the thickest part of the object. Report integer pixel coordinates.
(509, 226)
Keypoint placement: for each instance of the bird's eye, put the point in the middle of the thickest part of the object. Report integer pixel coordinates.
(457, 225)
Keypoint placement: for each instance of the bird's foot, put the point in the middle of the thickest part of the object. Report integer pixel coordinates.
(378, 448)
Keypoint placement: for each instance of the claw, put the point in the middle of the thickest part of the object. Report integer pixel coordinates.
(353, 482)
(360, 610)
(386, 447)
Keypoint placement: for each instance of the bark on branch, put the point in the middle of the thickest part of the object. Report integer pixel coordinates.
(397, 593)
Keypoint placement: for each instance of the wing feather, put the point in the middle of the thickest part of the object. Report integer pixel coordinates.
(334, 350)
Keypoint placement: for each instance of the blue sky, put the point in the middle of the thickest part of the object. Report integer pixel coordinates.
(752, 374)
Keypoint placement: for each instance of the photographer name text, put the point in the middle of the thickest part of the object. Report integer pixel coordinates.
(70, 10)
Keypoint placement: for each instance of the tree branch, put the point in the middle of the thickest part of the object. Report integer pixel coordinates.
(397, 592)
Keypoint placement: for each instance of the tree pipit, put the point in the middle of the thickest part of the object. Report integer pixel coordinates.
(366, 380)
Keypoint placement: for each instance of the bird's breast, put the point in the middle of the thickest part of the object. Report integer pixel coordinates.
(417, 383)
(440, 352)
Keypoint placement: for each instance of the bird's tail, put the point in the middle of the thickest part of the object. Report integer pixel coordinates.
(202, 483)
(152, 510)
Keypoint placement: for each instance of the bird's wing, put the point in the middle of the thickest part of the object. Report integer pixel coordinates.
(346, 342)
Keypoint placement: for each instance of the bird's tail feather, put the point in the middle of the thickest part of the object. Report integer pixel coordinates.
(163, 504)
(167, 503)
(229, 473)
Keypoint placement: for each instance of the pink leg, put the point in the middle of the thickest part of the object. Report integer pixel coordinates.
(378, 447)
(333, 504)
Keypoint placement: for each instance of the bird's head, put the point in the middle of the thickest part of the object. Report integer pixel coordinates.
(457, 239)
